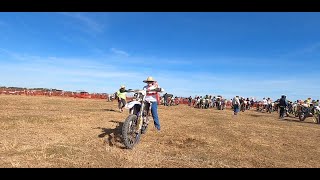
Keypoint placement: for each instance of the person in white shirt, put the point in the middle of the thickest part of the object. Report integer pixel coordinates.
(265, 103)
(269, 105)
(236, 105)
(152, 97)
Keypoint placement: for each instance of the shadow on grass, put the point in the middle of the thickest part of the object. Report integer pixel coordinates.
(296, 120)
(114, 137)
(256, 115)
(112, 110)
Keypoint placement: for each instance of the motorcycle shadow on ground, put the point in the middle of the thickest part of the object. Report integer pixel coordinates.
(110, 110)
(112, 136)
(294, 120)
(256, 115)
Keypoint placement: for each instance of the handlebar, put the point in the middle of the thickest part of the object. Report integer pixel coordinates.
(134, 90)
(141, 90)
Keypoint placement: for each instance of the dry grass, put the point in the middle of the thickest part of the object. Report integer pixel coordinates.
(67, 132)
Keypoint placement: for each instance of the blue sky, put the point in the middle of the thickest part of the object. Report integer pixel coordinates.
(247, 54)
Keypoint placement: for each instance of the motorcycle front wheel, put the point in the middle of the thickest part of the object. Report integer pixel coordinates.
(302, 116)
(130, 137)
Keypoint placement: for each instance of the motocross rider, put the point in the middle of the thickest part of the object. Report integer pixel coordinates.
(152, 97)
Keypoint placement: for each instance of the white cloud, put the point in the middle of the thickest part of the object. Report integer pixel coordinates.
(315, 47)
(88, 22)
(14, 55)
(119, 52)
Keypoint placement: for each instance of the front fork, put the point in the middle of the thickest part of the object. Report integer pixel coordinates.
(140, 119)
(142, 114)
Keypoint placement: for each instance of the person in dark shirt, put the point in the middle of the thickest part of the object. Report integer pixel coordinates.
(165, 98)
(283, 103)
(189, 101)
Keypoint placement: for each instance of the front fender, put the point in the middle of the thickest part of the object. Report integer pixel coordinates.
(131, 104)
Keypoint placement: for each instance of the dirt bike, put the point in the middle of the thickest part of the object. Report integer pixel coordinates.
(313, 112)
(137, 121)
(269, 108)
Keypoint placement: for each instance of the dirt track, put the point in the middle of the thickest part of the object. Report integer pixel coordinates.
(68, 132)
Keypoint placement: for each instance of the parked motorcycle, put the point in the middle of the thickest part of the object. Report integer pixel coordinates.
(313, 111)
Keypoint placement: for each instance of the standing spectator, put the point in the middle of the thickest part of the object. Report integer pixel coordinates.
(283, 103)
(189, 101)
(213, 101)
(308, 101)
(251, 102)
(269, 106)
(165, 98)
(265, 103)
(121, 94)
(236, 105)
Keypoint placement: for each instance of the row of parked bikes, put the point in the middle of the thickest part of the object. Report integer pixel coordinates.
(301, 111)
(304, 112)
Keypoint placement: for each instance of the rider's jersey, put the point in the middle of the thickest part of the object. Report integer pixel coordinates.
(151, 96)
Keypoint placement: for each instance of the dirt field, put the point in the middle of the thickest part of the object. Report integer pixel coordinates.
(68, 132)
